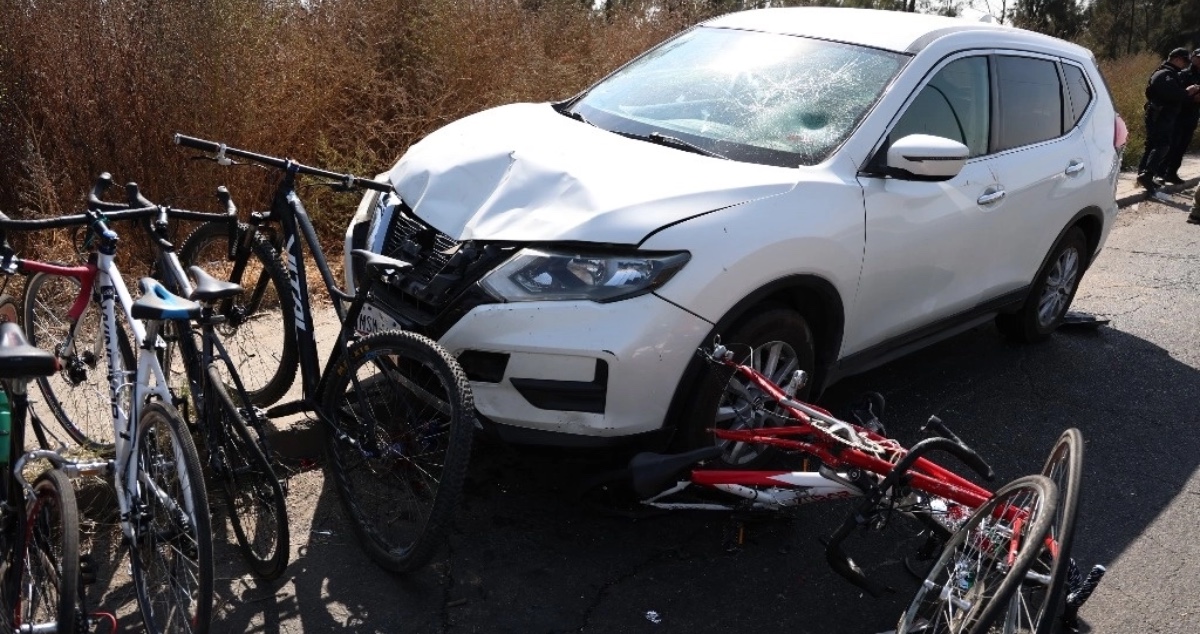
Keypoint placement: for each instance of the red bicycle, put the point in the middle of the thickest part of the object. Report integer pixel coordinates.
(1004, 562)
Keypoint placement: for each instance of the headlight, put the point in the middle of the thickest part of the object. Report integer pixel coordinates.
(533, 275)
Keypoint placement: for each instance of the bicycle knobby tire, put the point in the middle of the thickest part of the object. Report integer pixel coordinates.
(400, 421)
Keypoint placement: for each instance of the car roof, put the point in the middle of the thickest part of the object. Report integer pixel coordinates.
(889, 30)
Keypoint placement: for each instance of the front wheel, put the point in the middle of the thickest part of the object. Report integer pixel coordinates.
(253, 494)
(78, 394)
(1052, 292)
(171, 552)
(776, 342)
(400, 420)
(49, 581)
(984, 562)
(1038, 604)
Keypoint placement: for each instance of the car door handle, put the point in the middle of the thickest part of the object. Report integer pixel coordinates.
(1075, 167)
(991, 196)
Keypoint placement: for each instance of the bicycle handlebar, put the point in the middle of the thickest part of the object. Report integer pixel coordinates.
(137, 201)
(223, 151)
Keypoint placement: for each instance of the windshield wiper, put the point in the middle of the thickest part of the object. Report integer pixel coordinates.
(675, 142)
(576, 116)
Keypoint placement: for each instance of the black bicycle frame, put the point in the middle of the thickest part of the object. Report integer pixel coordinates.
(294, 220)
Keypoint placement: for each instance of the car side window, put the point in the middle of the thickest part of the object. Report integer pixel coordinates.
(1030, 105)
(955, 105)
(1080, 93)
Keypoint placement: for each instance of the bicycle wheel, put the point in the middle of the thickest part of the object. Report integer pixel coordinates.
(171, 551)
(49, 581)
(985, 561)
(401, 420)
(255, 317)
(253, 495)
(1038, 603)
(78, 395)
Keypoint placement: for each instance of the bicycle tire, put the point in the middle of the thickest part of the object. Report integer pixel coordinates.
(250, 324)
(255, 499)
(77, 395)
(172, 533)
(967, 590)
(1038, 605)
(399, 519)
(49, 547)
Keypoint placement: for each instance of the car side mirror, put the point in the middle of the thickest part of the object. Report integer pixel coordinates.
(926, 157)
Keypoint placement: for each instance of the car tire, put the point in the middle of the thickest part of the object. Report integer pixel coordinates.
(773, 331)
(1051, 294)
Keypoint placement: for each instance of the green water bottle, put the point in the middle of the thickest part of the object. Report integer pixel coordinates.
(5, 427)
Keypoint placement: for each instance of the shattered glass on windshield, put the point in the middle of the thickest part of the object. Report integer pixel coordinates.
(773, 99)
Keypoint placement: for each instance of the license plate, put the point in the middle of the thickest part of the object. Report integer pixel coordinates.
(373, 318)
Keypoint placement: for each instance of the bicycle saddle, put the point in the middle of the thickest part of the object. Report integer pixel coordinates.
(157, 302)
(209, 288)
(19, 359)
(650, 472)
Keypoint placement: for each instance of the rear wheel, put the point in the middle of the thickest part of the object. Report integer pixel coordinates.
(253, 494)
(78, 395)
(255, 318)
(401, 424)
(776, 342)
(49, 586)
(171, 552)
(1052, 292)
(984, 562)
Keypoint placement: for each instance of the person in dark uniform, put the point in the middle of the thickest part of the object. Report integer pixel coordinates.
(1164, 97)
(1185, 124)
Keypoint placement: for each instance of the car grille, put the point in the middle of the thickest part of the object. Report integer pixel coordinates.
(426, 248)
(440, 287)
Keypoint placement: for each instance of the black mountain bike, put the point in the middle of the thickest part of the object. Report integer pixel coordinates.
(396, 406)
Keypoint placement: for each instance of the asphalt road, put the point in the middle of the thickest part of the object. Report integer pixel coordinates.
(523, 556)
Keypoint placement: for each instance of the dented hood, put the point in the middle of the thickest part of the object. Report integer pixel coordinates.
(525, 173)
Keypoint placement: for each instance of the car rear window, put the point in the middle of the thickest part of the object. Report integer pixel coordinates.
(1079, 91)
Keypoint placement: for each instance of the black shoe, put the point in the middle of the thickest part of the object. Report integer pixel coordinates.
(1172, 179)
(1193, 220)
(1145, 180)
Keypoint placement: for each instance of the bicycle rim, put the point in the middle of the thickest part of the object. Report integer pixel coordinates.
(983, 563)
(402, 420)
(78, 395)
(49, 585)
(171, 552)
(252, 492)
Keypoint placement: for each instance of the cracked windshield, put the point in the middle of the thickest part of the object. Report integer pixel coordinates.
(755, 97)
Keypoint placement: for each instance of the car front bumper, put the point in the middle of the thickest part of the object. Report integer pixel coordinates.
(552, 370)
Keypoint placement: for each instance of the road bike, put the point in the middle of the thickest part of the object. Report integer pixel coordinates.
(396, 406)
(233, 430)
(162, 502)
(1004, 557)
(41, 586)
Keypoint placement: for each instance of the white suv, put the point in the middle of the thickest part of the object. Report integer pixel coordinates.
(832, 187)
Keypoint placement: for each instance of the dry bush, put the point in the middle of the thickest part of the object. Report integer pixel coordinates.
(1126, 78)
(101, 85)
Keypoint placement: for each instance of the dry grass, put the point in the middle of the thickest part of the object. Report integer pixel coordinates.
(101, 85)
(1126, 79)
